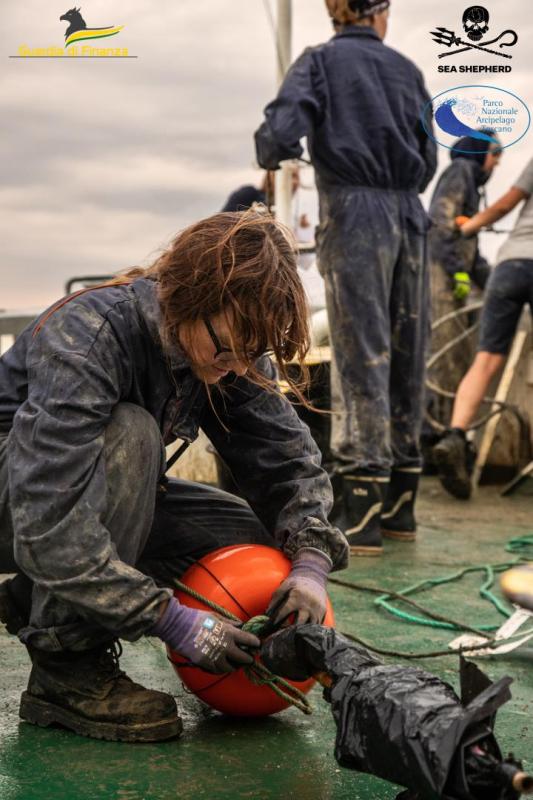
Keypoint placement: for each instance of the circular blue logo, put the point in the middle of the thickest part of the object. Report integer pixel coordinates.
(493, 115)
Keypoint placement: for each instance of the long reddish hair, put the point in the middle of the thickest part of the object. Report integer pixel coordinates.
(239, 262)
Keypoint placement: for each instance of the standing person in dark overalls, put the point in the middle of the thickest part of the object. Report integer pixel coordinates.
(359, 103)
(90, 394)
(455, 262)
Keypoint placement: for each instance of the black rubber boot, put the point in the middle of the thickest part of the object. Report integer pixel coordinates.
(337, 484)
(87, 693)
(398, 515)
(455, 457)
(363, 501)
(15, 603)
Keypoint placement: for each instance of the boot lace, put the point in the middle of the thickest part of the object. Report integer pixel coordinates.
(109, 659)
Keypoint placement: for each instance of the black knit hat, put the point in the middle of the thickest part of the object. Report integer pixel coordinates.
(365, 8)
(475, 149)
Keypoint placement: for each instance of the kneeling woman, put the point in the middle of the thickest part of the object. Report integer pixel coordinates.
(89, 395)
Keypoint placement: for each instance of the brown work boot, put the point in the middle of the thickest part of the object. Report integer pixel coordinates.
(87, 693)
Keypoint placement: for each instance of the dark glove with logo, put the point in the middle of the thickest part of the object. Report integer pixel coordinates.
(304, 591)
(212, 643)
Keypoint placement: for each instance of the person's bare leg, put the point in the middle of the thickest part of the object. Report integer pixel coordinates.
(473, 387)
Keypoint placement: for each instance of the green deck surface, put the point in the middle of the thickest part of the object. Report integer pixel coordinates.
(288, 755)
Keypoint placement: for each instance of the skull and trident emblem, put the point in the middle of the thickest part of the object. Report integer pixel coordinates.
(476, 26)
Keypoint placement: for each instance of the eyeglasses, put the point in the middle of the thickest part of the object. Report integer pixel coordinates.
(219, 349)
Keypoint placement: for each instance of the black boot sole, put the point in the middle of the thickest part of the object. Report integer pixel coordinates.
(42, 713)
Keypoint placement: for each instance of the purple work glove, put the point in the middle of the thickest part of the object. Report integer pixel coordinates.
(206, 640)
(304, 591)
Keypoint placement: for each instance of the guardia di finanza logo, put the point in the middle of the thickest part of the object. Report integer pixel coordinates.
(78, 31)
(77, 34)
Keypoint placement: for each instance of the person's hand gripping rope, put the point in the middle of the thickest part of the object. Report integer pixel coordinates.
(205, 639)
(303, 593)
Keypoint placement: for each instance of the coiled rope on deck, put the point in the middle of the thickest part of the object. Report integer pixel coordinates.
(522, 546)
(490, 571)
(256, 673)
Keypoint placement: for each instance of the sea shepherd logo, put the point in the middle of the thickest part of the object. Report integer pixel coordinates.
(77, 34)
(475, 28)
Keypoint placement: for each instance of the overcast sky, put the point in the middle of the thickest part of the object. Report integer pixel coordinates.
(105, 160)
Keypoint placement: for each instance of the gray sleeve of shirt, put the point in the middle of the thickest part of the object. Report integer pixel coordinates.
(525, 181)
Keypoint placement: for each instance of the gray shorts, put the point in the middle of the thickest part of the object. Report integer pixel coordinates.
(509, 288)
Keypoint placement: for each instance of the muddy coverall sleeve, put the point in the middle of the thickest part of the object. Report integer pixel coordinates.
(448, 246)
(291, 115)
(428, 147)
(276, 464)
(57, 482)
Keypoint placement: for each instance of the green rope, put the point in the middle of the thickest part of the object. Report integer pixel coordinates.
(490, 571)
(209, 603)
(522, 545)
(256, 673)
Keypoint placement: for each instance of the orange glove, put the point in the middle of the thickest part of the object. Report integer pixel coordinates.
(460, 221)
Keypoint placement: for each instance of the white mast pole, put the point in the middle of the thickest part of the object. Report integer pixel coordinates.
(283, 191)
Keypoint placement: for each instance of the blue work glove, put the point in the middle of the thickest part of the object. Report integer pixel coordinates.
(462, 285)
(206, 640)
(304, 591)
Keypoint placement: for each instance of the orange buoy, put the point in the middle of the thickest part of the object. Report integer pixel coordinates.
(242, 579)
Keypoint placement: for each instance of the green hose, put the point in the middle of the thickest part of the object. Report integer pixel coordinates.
(521, 545)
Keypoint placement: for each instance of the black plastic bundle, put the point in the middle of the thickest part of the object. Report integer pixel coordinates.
(402, 723)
